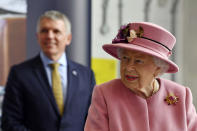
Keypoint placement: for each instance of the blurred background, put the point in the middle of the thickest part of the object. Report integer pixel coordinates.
(94, 23)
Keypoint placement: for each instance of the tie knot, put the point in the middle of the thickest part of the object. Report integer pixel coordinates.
(54, 65)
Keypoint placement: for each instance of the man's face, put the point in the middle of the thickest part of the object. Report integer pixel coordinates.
(53, 38)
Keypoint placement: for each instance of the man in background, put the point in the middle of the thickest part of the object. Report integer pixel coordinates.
(49, 92)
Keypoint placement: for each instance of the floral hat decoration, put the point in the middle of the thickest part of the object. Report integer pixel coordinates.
(145, 37)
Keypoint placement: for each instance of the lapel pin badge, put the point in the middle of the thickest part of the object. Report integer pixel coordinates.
(74, 72)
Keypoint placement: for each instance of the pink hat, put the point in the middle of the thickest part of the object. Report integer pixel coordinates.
(147, 38)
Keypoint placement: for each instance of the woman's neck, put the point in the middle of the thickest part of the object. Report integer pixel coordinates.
(148, 91)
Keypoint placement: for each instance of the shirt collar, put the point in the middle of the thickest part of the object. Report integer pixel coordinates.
(46, 61)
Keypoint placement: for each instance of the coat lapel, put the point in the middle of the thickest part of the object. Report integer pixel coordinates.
(73, 81)
(73, 78)
(42, 77)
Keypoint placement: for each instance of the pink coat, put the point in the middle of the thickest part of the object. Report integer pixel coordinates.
(115, 108)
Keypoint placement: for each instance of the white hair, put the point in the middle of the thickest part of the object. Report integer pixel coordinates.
(164, 66)
(55, 15)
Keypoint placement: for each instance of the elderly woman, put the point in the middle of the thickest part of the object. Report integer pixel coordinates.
(140, 100)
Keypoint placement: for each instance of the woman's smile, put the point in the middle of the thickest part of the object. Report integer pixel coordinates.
(131, 77)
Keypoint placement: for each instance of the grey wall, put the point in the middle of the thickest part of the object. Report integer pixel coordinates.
(190, 46)
(78, 11)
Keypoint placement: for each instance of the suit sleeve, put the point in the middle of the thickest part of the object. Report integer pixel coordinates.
(12, 110)
(191, 112)
(92, 85)
(97, 116)
(93, 82)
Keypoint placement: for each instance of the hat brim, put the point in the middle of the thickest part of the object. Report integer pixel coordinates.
(112, 50)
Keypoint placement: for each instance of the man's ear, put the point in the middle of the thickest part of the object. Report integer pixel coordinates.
(69, 38)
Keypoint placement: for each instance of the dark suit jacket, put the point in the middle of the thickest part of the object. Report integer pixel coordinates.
(29, 104)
